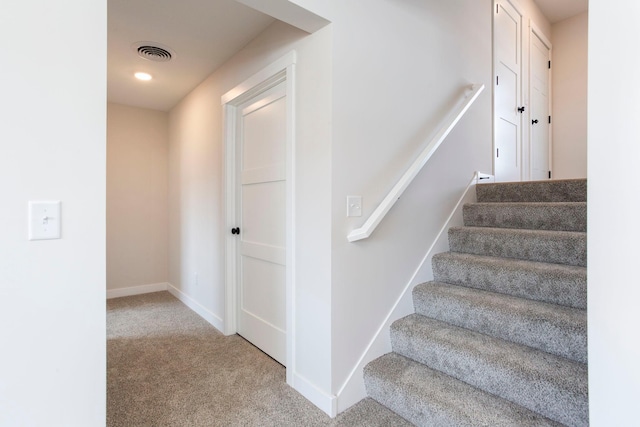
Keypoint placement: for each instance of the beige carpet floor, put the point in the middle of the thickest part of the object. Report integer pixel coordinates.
(169, 367)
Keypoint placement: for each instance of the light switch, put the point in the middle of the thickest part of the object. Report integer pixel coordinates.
(44, 220)
(354, 205)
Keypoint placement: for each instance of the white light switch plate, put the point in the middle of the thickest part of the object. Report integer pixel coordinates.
(354, 205)
(44, 220)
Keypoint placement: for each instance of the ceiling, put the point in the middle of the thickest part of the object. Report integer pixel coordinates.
(203, 34)
(558, 10)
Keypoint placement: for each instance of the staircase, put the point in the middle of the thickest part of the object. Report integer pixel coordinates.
(499, 338)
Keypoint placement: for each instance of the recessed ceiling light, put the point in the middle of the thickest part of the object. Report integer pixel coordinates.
(143, 76)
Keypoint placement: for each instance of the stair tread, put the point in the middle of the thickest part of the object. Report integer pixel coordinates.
(430, 398)
(569, 190)
(555, 283)
(549, 327)
(551, 385)
(562, 247)
(532, 204)
(567, 216)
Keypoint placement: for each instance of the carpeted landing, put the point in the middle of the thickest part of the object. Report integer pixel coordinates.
(169, 367)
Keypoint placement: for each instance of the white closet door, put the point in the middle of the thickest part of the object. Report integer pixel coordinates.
(262, 199)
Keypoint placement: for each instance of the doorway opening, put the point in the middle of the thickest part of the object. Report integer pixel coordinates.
(259, 175)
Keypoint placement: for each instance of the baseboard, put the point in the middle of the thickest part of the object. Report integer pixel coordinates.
(194, 305)
(136, 290)
(324, 401)
(353, 390)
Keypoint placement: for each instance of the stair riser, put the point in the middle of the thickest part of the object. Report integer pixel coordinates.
(556, 284)
(429, 398)
(544, 246)
(558, 216)
(554, 329)
(541, 382)
(536, 191)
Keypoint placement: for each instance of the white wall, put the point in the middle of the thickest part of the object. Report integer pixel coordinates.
(398, 67)
(52, 134)
(137, 196)
(569, 70)
(197, 232)
(614, 230)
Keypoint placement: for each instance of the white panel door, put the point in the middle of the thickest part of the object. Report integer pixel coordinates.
(507, 94)
(540, 126)
(261, 290)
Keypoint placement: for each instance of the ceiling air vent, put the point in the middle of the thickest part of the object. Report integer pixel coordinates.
(153, 51)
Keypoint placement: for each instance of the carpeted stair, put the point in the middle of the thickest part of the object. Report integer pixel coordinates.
(499, 338)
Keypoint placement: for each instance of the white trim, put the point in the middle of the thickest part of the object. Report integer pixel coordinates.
(136, 290)
(231, 245)
(289, 12)
(352, 389)
(535, 29)
(516, 5)
(247, 89)
(290, 302)
(281, 70)
(461, 107)
(327, 403)
(194, 305)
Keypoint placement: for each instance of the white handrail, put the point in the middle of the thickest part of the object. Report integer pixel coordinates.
(383, 208)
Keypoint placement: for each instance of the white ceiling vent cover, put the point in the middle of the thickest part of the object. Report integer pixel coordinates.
(153, 51)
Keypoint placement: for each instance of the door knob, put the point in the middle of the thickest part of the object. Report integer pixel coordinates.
(235, 230)
(521, 109)
(533, 122)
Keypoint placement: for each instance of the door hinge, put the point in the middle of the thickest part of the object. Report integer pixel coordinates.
(497, 152)
(549, 64)
(497, 80)
(549, 119)
(549, 174)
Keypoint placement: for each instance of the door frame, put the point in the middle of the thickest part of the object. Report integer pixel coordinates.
(281, 70)
(535, 31)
